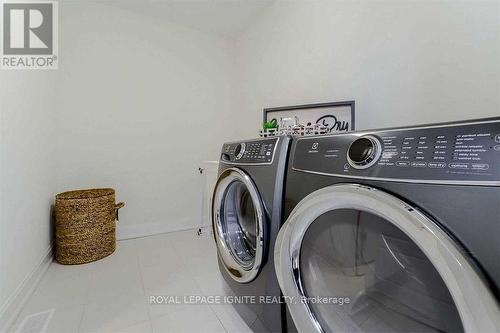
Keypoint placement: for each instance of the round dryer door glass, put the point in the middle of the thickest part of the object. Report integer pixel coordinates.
(376, 276)
(238, 222)
(362, 260)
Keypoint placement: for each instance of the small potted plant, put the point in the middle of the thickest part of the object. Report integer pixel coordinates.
(269, 128)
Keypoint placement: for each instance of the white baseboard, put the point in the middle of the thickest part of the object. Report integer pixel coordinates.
(149, 229)
(14, 304)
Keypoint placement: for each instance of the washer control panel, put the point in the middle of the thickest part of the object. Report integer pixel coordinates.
(259, 151)
(468, 151)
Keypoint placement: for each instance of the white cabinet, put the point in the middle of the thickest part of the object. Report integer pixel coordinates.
(208, 171)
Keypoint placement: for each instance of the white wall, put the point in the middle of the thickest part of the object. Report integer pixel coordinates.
(27, 182)
(137, 104)
(403, 62)
(143, 103)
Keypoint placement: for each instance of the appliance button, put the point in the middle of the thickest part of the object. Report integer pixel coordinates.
(497, 138)
(480, 166)
(437, 165)
(459, 165)
(403, 164)
(419, 164)
(497, 147)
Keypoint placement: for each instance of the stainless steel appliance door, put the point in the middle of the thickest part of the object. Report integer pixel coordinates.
(351, 258)
(238, 223)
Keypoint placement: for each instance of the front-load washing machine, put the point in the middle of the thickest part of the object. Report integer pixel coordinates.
(246, 216)
(394, 230)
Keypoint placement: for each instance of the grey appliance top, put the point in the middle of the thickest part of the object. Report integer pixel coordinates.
(461, 153)
(250, 152)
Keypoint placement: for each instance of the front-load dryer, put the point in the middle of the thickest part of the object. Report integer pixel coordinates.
(246, 216)
(394, 230)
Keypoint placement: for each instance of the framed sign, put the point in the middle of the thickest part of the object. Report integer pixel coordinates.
(336, 116)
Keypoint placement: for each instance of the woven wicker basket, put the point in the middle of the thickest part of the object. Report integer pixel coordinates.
(85, 225)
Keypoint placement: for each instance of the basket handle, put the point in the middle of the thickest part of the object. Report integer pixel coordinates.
(118, 206)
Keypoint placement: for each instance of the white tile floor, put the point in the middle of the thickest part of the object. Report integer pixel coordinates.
(112, 295)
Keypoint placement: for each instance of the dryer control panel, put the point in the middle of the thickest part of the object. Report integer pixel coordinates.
(457, 152)
(260, 151)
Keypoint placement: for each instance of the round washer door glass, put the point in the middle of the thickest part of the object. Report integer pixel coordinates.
(238, 222)
(367, 262)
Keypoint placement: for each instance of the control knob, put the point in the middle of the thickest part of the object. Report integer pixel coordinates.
(364, 152)
(239, 151)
